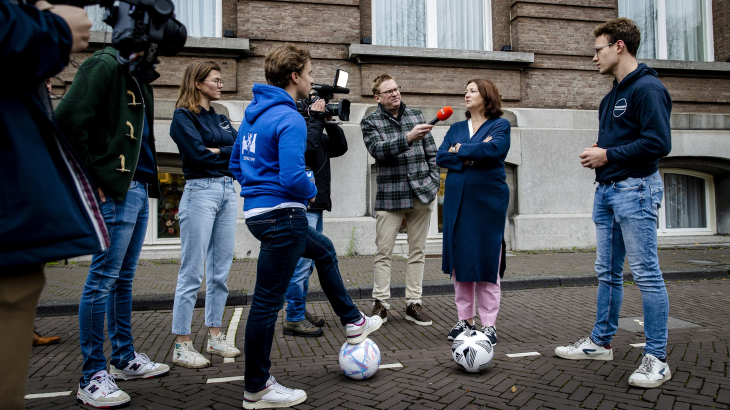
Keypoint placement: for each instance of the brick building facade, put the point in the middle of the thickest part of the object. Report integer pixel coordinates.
(548, 84)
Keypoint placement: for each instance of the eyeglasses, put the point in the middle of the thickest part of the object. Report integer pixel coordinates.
(217, 82)
(387, 93)
(597, 49)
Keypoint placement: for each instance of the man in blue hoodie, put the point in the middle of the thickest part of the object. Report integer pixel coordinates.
(633, 135)
(268, 161)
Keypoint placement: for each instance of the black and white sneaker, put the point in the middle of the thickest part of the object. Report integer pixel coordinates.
(102, 392)
(459, 328)
(491, 333)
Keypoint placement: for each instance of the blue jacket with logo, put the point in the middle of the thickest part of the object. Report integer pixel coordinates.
(194, 134)
(634, 126)
(268, 156)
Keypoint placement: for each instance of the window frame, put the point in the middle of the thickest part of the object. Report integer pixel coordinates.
(709, 205)
(150, 237)
(432, 24)
(662, 48)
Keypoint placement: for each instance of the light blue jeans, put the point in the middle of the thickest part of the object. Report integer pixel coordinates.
(296, 294)
(207, 215)
(625, 214)
(108, 287)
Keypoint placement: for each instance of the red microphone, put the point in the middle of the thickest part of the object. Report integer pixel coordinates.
(442, 115)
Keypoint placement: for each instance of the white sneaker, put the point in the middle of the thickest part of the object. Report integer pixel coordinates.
(218, 345)
(357, 333)
(652, 373)
(185, 355)
(139, 368)
(585, 349)
(273, 396)
(102, 392)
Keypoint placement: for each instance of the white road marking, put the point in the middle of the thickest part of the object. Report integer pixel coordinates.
(523, 354)
(232, 329)
(390, 366)
(224, 379)
(637, 344)
(46, 395)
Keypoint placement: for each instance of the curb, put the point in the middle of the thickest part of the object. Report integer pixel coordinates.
(433, 288)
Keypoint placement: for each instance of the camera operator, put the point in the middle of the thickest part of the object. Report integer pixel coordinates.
(47, 211)
(320, 148)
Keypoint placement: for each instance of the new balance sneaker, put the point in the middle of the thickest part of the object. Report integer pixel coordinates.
(273, 396)
(219, 345)
(139, 368)
(303, 328)
(357, 332)
(314, 319)
(185, 355)
(102, 392)
(491, 333)
(652, 373)
(415, 313)
(380, 310)
(459, 328)
(585, 349)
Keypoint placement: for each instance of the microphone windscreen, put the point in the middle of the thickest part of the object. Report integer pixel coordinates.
(444, 113)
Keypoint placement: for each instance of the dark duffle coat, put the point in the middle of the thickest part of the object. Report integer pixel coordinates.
(476, 199)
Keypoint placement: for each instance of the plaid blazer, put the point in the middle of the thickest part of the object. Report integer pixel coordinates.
(403, 170)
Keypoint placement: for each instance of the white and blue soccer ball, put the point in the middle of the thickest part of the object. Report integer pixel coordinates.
(472, 351)
(360, 361)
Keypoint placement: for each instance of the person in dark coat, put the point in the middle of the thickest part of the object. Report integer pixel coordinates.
(47, 208)
(475, 206)
(320, 148)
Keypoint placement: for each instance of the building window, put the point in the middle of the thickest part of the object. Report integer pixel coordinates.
(672, 29)
(688, 203)
(454, 24)
(202, 18)
(164, 225)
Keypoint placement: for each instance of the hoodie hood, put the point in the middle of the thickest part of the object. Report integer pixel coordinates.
(264, 98)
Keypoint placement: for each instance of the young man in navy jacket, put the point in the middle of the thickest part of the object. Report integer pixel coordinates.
(268, 161)
(633, 135)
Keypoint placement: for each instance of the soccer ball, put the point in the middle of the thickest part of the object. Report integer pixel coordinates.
(360, 361)
(472, 351)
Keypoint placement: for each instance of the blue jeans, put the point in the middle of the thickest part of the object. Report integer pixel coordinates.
(207, 236)
(108, 288)
(285, 237)
(625, 214)
(296, 295)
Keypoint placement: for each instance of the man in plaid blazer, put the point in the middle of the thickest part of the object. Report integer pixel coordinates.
(408, 179)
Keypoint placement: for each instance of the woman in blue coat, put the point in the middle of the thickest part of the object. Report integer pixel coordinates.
(475, 206)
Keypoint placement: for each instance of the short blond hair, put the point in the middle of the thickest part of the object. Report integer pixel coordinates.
(281, 61)
(379, 80)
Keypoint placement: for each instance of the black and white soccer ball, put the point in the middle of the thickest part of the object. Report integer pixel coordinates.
(473, 351)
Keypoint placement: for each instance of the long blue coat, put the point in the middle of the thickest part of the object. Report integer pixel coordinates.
(476, 199)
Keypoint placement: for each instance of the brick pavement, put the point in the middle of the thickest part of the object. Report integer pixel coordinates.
(158, 277)
(530, 320)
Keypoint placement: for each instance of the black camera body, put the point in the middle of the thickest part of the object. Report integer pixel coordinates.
(326, 93)
(140, 26)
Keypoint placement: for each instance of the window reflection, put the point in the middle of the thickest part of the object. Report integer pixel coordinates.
(171, 186)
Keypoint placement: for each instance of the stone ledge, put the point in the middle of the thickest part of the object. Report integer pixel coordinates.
(216, 47)
(689, 68)
(363, 53)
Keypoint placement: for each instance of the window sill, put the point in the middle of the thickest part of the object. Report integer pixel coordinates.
(215, 47)
(365, 53)
(689, 68)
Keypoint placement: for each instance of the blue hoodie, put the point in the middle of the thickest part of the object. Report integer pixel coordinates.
(634, 126)
(268, 156)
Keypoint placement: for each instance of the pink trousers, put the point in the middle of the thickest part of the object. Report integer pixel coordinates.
(487, 294)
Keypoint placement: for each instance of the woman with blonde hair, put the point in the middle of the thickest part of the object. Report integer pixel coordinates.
(475, 206)
(207, 212)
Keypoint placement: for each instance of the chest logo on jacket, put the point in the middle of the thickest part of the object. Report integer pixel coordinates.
(620, 108)
(248, 144)
(225, 125)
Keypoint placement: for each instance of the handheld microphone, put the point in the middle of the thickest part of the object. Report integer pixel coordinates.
(442, 115)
